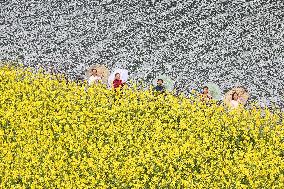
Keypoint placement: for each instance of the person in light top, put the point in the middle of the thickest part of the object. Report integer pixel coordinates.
(235, 102)
(95, 78)
(205, 96)
(117, 82)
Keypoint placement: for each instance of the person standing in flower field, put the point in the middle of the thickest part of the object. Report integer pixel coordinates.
(95, 78)
(160, 86)
(234, 103)
(117, 82)
(205, 96)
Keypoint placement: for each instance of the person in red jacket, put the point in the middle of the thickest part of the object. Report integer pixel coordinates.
(117, 82)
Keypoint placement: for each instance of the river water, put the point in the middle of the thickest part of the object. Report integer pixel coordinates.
(228, 42)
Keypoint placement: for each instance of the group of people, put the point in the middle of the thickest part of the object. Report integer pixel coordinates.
(234, 102)
(95, 78)
(205, 96)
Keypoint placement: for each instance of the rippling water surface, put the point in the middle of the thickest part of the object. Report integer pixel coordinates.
(228, 42)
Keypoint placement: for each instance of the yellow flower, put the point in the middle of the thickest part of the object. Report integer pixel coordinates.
(57, 135)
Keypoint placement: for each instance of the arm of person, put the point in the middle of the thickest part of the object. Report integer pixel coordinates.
(114, 84)
(90, 81)
(123, 83)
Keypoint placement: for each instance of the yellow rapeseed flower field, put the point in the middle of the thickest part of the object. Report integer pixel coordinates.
(55, 134)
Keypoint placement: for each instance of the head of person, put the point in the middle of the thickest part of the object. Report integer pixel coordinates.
(205, 90)
(235, 96)
(117, 76)
(160, 82)
(94, 72)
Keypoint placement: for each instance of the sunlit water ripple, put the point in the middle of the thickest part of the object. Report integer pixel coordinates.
(228, 42)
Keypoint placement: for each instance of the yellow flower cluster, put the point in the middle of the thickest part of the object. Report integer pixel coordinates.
(55, 134)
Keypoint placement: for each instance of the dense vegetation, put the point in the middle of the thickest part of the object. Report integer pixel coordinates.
(58, 134)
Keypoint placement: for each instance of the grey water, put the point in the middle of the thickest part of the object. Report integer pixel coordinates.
(227, 42)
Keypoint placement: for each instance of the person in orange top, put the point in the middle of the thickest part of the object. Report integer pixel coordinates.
(205, 96)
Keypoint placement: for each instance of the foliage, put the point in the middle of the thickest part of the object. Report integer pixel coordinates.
(57, 134)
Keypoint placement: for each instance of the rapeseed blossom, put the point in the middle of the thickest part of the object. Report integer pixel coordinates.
(58, 134)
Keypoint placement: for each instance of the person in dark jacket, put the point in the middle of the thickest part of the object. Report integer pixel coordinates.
(160, 86)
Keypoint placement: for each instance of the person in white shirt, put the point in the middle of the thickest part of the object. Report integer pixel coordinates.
(95, 78)
(235, 100)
